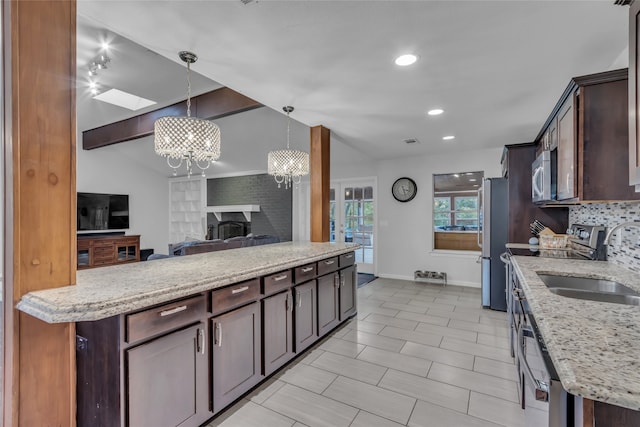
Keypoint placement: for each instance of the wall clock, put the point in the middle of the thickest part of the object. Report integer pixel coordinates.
(404, 189)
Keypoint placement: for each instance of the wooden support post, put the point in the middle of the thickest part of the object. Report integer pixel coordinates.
(39, 69)
(320, 171)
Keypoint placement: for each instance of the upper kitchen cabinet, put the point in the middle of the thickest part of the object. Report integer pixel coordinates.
(589, 129)
(634, 111)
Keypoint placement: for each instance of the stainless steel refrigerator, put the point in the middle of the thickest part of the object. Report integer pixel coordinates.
(492, 237)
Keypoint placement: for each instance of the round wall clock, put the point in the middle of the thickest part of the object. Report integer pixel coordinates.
(404, 189)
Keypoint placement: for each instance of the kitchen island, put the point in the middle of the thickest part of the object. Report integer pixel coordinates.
(174, 341)
(594, 346)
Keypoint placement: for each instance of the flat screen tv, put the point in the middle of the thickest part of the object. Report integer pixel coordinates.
(102, 211)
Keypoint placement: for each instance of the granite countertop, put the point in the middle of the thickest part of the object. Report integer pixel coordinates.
(594, 346)
(108, 291)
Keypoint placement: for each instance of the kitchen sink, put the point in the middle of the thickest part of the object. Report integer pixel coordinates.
(593, 289)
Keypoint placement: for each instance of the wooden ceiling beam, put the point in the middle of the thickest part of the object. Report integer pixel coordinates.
(211, 105)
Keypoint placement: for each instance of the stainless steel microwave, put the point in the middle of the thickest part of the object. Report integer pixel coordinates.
(543, 179)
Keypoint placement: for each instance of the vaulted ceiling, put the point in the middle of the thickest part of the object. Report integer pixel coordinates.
(496, 67)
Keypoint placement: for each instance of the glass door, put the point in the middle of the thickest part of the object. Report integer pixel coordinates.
(352, 219)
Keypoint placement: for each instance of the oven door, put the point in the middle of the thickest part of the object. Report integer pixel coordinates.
(541, 178)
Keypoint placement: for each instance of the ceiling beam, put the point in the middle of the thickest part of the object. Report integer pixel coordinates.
(211, 105)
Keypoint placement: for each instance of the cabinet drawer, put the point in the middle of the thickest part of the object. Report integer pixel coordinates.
(327, 265)
(347, 259)
(277, 282)
(234, 295)
(304, 273)
(164, 318)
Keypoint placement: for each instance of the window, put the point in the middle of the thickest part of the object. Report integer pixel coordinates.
(455, 210)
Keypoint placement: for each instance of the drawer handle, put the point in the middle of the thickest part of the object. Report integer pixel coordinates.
(349, 256)
(279, 278)
(238, 290)
(173, 311)
(307, 269)
(329, 262)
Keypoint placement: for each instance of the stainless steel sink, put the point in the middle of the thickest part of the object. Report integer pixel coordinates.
(591, 289)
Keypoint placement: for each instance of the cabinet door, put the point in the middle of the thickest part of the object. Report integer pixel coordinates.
(277, 326)
(306, 319)
(236, 354)
(634, 111)
(566, 152)
(328, 311)
(348, 288)
(168, 380)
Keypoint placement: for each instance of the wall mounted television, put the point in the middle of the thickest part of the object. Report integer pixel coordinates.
(102, 212)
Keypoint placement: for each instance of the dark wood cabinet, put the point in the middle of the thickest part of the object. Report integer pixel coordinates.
(99, 251)
(348, 288)
(277, 331)
(516, 161)
(566, 146)
(306, 315)
(236, 354)
(328, 302)
(634, 98)
(167, 380)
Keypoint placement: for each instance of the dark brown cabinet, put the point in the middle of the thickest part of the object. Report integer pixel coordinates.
(277, 331)
(235, 354)
(348, 287)
(566, 147)
(634, 98)
(328, 302)
(306, 315)
(167, 380)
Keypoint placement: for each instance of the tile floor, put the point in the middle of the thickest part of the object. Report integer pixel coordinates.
(416, 355)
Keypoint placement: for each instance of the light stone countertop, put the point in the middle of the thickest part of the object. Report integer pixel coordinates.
(108, 291)
(594, 346)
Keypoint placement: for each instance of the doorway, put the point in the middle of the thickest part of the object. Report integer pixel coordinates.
(352, 212)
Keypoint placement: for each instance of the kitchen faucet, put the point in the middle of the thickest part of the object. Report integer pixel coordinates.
(619, 226)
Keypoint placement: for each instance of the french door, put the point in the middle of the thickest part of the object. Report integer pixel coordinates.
(352, 218)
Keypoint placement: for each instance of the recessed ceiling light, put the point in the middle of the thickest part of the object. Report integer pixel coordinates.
(435, 112)
(448, 137)
(105, 45)
(404, 60)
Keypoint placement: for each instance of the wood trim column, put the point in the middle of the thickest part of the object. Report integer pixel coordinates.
(320, 172)
(39, 67)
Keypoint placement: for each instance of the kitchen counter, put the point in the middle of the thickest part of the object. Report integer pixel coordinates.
(109, 291)
(594, 346)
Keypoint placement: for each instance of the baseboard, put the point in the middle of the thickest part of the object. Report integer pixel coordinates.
(449, 282)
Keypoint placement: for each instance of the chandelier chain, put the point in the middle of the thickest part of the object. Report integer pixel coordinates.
(188, 89)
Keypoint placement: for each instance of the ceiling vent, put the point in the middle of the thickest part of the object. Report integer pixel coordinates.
(411, 141)
(247, 1)
(622, 2)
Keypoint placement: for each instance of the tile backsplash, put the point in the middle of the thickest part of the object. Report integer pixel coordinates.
(610, 215)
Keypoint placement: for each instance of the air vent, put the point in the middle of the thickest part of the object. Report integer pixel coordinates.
(411, 141)
(247, 1)
(622, 2)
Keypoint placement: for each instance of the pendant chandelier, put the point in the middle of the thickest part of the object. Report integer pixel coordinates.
(191, 140)
(288, 166)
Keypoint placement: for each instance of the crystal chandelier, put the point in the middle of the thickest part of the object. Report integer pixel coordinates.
(288, 166)
(188, 139)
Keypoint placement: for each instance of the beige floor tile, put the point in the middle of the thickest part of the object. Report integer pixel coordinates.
(421, 296)
(424, 318)
(373, 340)
(310, 356)
(454, 315)
(265, 390)
(446, 395)
(427, 414)
(341, 346)
(300, 425)
(227, 413)
(390, 298)
(352, 368)
(310, 408)
(307, 377)
(379, 310)
(254, 415)
(499, 331)
(401, 362)
(487, 351)
(438, 305)
(405, 307)
(492, 340)
(413, 336)
(364, 325)
(384, 403)
(494, 321)
(508, 371)
(496, 410)
(366, 419)
(391, 321)
(447, 332)
(436, 354)
(475, 381)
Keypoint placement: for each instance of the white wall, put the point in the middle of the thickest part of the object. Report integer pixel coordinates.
(120, 169)
(405, 237)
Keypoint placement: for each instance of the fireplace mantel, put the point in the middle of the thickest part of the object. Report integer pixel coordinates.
(245, 209)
